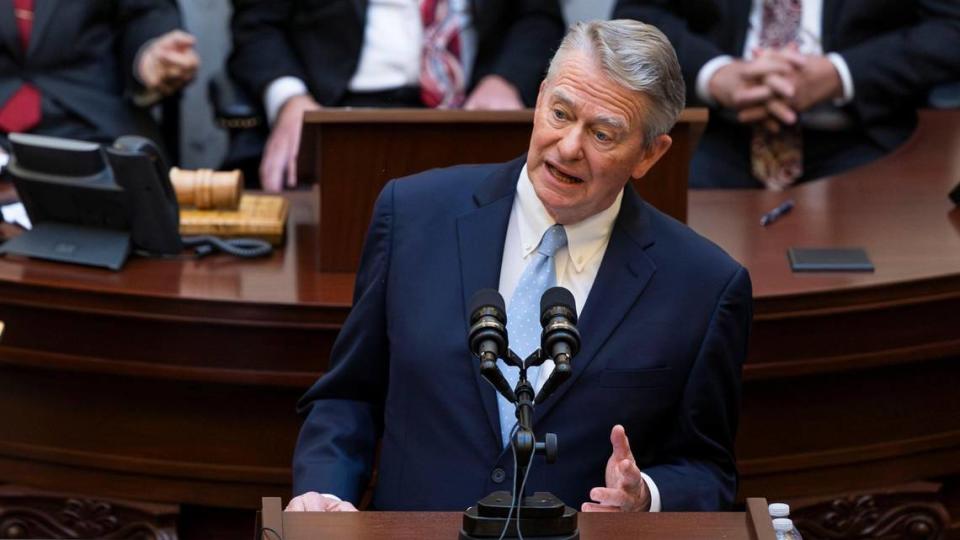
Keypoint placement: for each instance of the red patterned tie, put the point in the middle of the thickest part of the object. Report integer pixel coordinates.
(442, 82)
(22, 111)
(777, 157)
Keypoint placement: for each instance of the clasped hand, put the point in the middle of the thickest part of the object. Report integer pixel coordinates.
(775, 86)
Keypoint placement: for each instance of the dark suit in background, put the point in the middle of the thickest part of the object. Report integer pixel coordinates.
(81, 57)
(320, 42)
(664, 331)
(896, 51)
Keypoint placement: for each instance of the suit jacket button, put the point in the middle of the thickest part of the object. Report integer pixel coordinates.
(498, 475)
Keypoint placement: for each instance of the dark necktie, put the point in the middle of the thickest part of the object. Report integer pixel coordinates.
(776, 158)
(442, 82)
(22, 111)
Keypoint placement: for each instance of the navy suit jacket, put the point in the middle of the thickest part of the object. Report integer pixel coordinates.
(664, 336)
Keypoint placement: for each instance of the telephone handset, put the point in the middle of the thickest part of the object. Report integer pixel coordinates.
(140, 169)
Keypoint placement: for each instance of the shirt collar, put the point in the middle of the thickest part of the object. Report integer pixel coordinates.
(586, 239)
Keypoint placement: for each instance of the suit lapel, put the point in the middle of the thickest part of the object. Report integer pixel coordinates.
(623, 274)
(8, 29)
(830, 15)
(43, 11)
(740, 18)
(361, 7)
(481, 234)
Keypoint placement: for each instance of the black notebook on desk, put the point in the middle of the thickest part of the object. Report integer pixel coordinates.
(829, 260)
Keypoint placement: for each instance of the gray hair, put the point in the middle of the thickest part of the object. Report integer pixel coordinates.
(637, 56)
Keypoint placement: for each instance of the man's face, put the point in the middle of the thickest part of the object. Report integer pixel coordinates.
(587, 140)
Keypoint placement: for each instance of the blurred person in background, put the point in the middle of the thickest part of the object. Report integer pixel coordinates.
(89, 69)
(300, 56)
(802, 89)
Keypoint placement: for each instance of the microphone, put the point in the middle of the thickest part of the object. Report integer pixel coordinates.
(487, 337)
(560, 339)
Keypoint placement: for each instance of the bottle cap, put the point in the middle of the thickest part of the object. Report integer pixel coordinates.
(779, 510)
(782, 524)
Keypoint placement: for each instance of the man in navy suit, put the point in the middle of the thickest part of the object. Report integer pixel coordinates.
(664, 319)
(852, 80)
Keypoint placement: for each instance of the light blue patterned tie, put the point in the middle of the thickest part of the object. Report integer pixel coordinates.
(523, 317)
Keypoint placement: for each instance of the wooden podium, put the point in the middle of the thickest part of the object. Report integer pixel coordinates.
(352, 154)
(753, 524)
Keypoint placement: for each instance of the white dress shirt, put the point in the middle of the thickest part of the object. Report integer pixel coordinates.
(577, 264)
(391, 52)
(811, 31)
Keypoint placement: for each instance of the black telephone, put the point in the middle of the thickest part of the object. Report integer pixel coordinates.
(91, 204)
(139, 167)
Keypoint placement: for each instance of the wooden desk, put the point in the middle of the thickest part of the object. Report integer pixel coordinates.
(851, 381)
(753, 524)
(175, 380)
(353, 153)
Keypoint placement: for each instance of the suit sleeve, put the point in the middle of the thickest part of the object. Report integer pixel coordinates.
(693, 50)
(696, 469)
(344, 408)
(141, 21)
(901, 65)
(534, 30)
(262, 50)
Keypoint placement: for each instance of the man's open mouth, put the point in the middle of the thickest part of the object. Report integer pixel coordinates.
(565, 178)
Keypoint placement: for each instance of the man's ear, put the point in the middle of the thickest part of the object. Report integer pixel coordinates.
(650, 156)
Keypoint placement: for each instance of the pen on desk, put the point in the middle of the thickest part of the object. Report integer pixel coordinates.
(777, 212)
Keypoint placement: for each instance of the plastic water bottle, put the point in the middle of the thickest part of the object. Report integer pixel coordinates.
(785, 529)
(779, 510)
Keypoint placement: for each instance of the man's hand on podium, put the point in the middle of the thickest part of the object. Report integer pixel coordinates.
(315, 502)
(625, 490)
(278, 166)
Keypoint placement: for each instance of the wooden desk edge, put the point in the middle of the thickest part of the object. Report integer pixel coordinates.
(759, 523)
(271, 517)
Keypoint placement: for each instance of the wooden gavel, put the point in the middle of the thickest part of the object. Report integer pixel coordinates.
(207, 189)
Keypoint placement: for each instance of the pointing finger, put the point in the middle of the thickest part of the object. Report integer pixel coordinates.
(620, 443)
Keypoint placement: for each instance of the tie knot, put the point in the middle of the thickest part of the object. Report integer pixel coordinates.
(553, 239)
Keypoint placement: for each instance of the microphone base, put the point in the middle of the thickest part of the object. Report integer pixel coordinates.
(542, 516)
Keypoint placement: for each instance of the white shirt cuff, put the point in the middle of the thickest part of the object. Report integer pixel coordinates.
(332, 496)
(654, 492)
(845, 78)
(278, 92)
(706, 73)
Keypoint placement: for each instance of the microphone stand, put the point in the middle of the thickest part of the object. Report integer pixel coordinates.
(542, 516)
